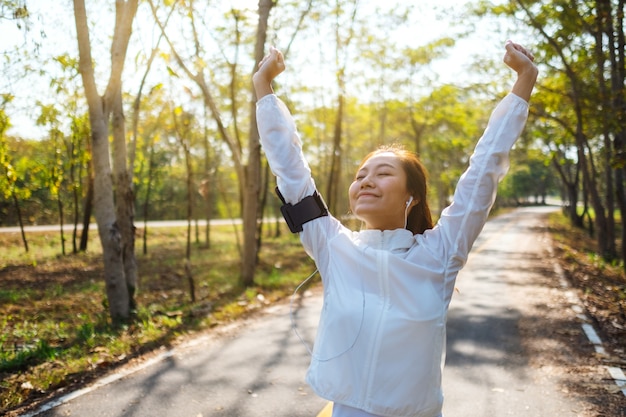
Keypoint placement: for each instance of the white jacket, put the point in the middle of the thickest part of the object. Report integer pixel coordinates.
(380, 345)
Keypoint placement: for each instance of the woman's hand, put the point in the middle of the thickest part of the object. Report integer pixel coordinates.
(520, 60)
(517, 57)
(269, 68)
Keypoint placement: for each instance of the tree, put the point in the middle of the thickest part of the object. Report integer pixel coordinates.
(145, 172)
(183, 124)
(54, 171)
(342, 55)
(114, 211)
(8, 175)
(248, 169)
(577, 97)
(609, 31)
(79, 157)
(530, 180)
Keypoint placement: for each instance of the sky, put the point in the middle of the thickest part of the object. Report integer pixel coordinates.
(55, 18)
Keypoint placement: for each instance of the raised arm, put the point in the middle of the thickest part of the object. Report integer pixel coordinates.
(283, 148)
(461, 222)
(279, 136)
(521, 61)
(269, 68)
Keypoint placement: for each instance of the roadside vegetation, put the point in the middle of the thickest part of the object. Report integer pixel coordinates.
(56, 328)
(601, 284)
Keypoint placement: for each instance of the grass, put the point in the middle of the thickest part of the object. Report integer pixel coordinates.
(56, 329)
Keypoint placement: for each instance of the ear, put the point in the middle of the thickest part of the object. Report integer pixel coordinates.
(411, 202)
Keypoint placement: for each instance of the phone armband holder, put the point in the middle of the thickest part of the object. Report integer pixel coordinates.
(307, 209)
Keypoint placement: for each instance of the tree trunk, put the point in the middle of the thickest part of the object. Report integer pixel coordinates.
(614, 29)
(114, 243)
(590, 186)
(18, 212)
(252, 184)
(571, 183)
(617, 83)
(610, 251)
(183, 137)
(188, 272)
(87, 209)
(146, 203)
(61, 221)
(267, 175)
(206, 187)
(76, 219)
(125, 199)
(75, 202)
(108, 229)
(332, 189)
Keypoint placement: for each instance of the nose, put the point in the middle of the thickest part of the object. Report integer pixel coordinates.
(366, 182)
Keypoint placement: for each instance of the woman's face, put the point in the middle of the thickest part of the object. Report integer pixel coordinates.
(378, 195)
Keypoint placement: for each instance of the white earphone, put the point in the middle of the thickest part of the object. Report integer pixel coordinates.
(409, 201)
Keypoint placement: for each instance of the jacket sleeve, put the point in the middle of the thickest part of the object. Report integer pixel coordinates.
(283, 149)
(462, 221)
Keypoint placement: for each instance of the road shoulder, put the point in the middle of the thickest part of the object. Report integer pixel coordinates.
(557, 347)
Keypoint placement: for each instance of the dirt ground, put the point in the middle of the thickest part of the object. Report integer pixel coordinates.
(559, 346)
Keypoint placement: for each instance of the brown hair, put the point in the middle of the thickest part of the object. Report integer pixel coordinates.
(419, 218)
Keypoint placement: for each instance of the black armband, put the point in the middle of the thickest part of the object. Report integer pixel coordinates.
(307, 209)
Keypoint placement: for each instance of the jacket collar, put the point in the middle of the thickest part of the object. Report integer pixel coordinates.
(391, 240)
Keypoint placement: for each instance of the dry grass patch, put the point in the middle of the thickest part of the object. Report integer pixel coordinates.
(56, 330)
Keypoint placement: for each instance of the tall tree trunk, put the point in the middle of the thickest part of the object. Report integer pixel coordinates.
(114, 246)
(108, 229)
(613, 27)
(125, 199)
(610, 251)
(252, 183)
(618, 79)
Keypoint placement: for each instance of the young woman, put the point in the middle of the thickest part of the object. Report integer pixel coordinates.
(380, 345)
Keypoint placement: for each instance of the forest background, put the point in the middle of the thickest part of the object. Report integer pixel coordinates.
(128, 111)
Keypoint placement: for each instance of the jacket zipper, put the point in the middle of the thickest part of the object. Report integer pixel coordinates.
(382, 261)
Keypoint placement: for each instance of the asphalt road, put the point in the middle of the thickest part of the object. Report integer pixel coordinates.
(256, 368)
(486, 371)
(139, 225)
